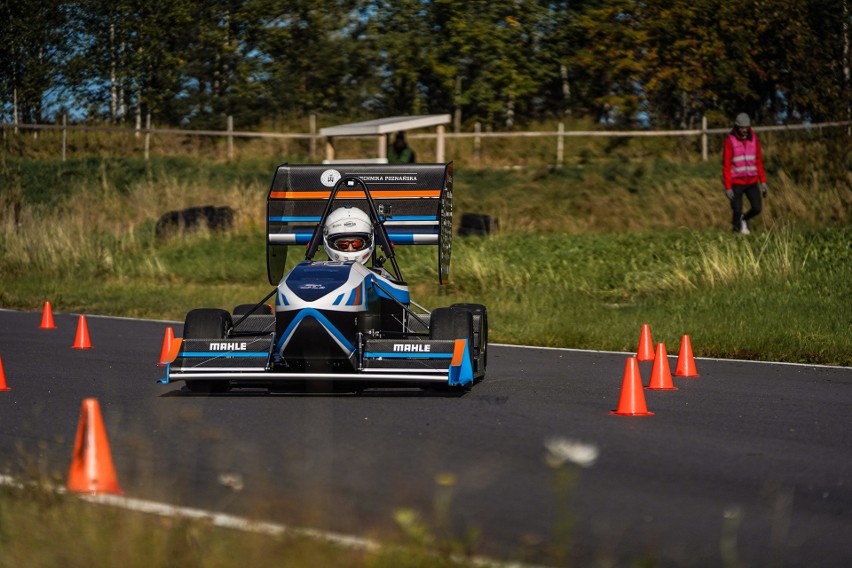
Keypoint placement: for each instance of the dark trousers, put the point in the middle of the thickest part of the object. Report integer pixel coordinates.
(752, 192)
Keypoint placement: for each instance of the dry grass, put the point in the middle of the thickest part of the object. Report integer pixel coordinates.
(96, 230)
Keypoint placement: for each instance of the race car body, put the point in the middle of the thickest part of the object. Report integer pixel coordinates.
(340, 320)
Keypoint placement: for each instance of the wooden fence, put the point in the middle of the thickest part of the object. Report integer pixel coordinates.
(315, 140)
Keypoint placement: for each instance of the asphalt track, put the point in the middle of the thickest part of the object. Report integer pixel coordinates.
(749, 464)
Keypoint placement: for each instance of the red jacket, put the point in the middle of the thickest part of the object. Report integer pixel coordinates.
(748, 156)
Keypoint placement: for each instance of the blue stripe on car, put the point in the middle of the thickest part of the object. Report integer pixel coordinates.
(407, 355)
(352, 296)
(224, 354)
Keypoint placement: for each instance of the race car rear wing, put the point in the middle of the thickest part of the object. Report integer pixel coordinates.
(415, 202)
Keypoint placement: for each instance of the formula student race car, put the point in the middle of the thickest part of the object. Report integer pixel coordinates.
(339, 320)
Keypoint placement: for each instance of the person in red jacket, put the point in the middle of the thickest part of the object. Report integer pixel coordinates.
(742, 170)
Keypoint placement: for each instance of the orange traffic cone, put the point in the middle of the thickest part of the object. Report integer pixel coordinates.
(646, 346)
(171, 346)
(82, 340)
(632, 401)
(661, 373)
(685, 362)
(47, 317)
(3, 386)
(91, 465)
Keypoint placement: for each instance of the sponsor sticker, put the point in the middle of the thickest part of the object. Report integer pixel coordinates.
(228, 346)
(330, 177)
(411, 348)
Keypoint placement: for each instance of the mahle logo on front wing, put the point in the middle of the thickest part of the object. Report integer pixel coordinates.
(228, 346)
(411, 348)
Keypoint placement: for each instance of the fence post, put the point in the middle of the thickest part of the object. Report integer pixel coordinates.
(147, 135)
(440, 144)
(560, 146)
(64, 133)
(704, 137)
(313, 126)
(230, 138)
(477, 142)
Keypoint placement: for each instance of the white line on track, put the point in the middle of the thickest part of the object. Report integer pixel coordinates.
(809, 365)
(628, 353)
(55, 313)
(232, 522)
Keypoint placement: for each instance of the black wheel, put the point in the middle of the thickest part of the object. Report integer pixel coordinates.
(262, 310)
(480, 327)
(206, 323)
(447, 323)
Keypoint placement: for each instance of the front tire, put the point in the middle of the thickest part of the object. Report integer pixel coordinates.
(480, 335)
(207, 323)
(448, 323)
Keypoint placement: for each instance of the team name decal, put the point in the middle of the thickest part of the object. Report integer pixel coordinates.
(228, 346)
(408, 347)
(389, 177)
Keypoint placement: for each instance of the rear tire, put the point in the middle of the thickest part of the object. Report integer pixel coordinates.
(207, 323)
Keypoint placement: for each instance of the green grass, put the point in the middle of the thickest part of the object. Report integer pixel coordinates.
(779, 295)
(584, 256)
(40, 528)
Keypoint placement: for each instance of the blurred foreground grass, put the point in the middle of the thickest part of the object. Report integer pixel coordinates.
(42, 529)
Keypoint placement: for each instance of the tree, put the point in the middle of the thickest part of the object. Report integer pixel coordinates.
(611, 62)
(100, 68)
(308, 55)
(488, 56)
(800, 46)
(400, 42)
(223, 65)
(34, 44)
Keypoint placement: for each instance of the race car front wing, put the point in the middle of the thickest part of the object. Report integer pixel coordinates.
(250, 359)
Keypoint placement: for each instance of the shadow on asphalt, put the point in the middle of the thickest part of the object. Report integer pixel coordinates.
(337, 392)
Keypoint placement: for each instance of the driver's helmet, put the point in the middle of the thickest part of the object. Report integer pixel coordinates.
(348, 235)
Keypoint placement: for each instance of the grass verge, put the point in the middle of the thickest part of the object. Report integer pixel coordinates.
(42, 528)
(779, 295)
(585, 255)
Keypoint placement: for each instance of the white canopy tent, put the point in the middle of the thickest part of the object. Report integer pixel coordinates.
(381, 128)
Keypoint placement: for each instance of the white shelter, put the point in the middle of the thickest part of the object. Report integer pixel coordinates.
(382, 128)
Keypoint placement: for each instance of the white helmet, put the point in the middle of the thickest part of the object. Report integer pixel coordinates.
(348, 235)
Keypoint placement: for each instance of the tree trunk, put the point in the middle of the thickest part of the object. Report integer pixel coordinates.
(113, 90)
(15, 113)
(122, 96)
